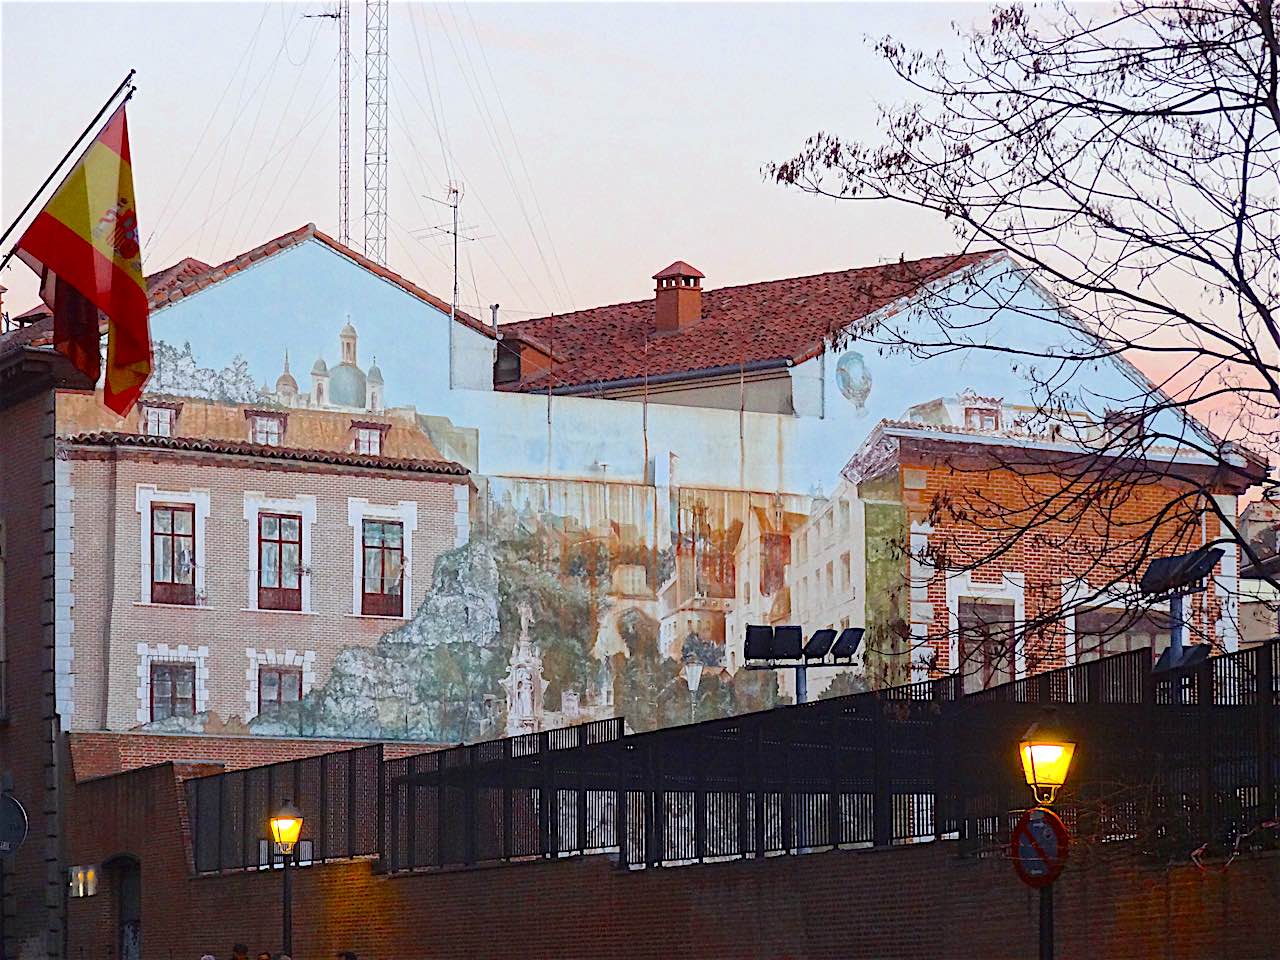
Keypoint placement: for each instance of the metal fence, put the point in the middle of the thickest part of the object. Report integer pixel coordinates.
(1169, 760)
(340, 795)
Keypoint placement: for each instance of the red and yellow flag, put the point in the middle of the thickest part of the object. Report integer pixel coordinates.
(85, 246)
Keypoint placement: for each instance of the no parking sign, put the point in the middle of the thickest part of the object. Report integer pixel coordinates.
(1038, 847)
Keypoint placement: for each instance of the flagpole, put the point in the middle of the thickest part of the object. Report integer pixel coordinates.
(65, 157)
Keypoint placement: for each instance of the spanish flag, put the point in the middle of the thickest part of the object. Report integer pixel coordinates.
(84, 244)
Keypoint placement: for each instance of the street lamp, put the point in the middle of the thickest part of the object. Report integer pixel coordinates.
(1039, 842)
(1045, 760)
(286, 827)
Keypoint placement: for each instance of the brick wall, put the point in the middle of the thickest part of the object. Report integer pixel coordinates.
(100, 754)
(28, 753)
(989, 514)
(908, 902)
(111, 623)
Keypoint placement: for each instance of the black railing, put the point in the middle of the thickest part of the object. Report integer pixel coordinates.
(340, 796)
(1171, 761)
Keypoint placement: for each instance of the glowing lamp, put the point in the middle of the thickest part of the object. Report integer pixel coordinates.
(286, 826)
(1046, 758)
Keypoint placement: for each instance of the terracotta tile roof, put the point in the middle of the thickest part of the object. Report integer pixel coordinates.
(222, 271)
(771, 321)
(111, 438)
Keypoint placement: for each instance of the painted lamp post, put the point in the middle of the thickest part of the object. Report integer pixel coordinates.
(286, 826)
(1040, 840)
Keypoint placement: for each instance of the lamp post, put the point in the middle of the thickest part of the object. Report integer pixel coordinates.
(692, 671)
(1046, 757)
(286, 826)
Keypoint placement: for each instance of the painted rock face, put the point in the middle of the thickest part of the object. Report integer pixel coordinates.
(853, 378)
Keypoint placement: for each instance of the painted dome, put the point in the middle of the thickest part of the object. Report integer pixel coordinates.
(347, 330)
(347, 386)
(285, 382)
(320, 366)
(375, 373)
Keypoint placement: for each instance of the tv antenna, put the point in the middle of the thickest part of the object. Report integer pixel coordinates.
(343, 17)
(454, 230)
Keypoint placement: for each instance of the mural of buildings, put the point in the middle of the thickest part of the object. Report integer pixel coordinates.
(568, 518)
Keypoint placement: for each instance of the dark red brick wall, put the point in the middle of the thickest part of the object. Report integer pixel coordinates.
(102, 754)
(908, 902)
(33, 900)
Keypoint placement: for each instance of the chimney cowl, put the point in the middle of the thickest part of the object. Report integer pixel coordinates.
(678, 297)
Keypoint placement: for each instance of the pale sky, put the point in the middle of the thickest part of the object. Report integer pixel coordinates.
(595, 143)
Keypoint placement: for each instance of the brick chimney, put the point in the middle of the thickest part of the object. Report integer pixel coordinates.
(678, 297)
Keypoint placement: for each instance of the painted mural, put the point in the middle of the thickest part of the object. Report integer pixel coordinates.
(614, 551)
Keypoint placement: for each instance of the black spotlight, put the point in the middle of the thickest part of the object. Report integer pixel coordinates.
(759, 644)
(819, 644)
(847, 643)
(787, 642)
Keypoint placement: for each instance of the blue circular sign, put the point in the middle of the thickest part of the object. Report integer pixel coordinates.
(13, 824)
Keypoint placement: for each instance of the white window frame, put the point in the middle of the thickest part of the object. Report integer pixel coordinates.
(304, 659)
(152, 416)
(1012, 587)
(257, 419)
(304, 505)
(145, 495)
(406, 513)
(364, 434)
(163, 653)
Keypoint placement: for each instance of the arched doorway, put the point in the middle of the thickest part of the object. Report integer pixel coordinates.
(125, 875)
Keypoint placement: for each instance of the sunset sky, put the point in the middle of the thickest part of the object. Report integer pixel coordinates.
(595, 143)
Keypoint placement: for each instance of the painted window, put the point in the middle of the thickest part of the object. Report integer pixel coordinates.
(845, 573)
(279, 561)
(831, 579)
(982, 418)
(278, 686)
(157, 421)
(844, 515)
(368, 441)
(986, 642)
(266, 430)
(173, 690)
(383, 568)
(1102, 631)
(173, 550)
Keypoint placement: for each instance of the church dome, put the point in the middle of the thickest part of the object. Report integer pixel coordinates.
(347, 386)
(347, 330)
(320, 367)
(375, 373)
(285, 384)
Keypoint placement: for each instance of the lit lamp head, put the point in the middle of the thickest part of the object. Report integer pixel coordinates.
(286, 826)
(1046, 758)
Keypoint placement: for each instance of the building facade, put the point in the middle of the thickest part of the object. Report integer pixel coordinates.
(511, 529)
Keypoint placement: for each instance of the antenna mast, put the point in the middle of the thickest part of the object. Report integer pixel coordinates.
(343, 16)
(344, 122)
(375, 130)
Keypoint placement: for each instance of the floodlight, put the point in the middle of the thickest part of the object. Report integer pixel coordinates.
(787, 642)
(819, 644)
(1175, 576)
(759, 644)
(1192, 656)
(847, 643)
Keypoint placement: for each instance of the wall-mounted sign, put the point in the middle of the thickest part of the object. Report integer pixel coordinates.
(13, 824)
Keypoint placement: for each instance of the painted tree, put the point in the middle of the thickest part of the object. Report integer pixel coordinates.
(1126, 157)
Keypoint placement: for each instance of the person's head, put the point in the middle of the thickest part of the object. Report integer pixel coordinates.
(346, 955)
(264, 955)
(240, 952)
(208, 956)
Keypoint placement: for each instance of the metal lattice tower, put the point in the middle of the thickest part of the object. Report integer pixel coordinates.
(375, 130)
(344, 122)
